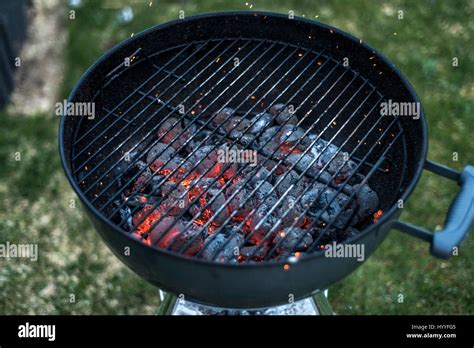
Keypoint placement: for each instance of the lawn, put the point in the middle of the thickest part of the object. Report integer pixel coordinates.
(77, 274)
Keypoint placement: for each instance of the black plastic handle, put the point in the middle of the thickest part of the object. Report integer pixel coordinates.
(460, 216)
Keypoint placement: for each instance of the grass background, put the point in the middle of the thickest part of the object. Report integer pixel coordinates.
(35, 196)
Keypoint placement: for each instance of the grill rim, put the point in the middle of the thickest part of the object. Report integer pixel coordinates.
(387, 215)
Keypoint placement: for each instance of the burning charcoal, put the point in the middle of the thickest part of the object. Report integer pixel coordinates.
(214, 250)
(191, 239)
(159, 153)
(222, 115)
(198, 139)
(367, 200)
(253, 176)
(291, 135)
(207, 192)
(341, 165)
(289, 240)
(240, 128)
(246, 139)
(180, 168)
(266, 193)
(171, 131)
(268, 135)
(304, 163)
(241, 198)
(142, 182)
(292, 210)
(287, 179)
(266, 222)
(282, 114)
(206, 157)
(258, 252)
(156, 182)
(165, 230)
(328, 199)
(137, 200)
(175, 200)
(143, 223)
(262, 121)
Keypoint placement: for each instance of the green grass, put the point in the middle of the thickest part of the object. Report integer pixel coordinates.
(35, 196)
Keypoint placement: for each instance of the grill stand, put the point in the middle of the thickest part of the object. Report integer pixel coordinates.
(318, 304)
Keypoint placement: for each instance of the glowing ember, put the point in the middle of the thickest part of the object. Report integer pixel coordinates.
(377, 215)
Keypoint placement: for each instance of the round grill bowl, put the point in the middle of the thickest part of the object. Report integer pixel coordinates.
(244, 285)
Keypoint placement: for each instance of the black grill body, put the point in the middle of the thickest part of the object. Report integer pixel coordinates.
(267, 283)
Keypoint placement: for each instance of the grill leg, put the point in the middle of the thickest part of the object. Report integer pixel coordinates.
(168, 303)
(322, 304)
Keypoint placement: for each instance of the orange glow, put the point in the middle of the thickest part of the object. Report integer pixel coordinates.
(286, 148)
(286, 267)
(377, 215)
(149, 220)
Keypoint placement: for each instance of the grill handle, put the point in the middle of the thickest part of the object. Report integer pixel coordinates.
(460, 216)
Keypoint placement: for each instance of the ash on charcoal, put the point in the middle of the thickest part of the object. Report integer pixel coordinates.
(266, 193)
(282, 114)
(142, 183)
(137, 200)
(265, 223)
(253, 176)
(268, 135)
(291, 135)
(156, 182)
(288, 179)
(126, 216)
(343, 166)
(191, 240)
(165, 230)
(202, 138)
(207, 191)
(222, 115)
(172, 131)
(292, 239)
(262, 121)
(216, 250)
(367, 200)
(176, 199)
(159, 154)
(290, 209)
(257, 252)
(240, 201)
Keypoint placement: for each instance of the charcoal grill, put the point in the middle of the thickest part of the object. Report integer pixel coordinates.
(173, 83)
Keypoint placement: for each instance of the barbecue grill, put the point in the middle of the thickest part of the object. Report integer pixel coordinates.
(300, 102)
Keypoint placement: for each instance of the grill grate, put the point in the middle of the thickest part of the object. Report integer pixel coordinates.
(188, 87)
